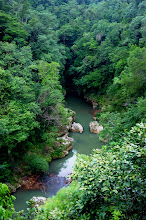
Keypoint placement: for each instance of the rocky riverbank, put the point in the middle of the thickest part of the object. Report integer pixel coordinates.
(63, 143)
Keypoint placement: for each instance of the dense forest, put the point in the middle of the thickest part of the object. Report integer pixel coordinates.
(96, 49)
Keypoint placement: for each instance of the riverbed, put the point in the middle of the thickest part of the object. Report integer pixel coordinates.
(59, 169)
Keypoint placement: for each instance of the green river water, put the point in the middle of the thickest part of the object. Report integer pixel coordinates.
(83, 143)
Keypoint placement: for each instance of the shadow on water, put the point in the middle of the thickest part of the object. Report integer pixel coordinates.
(51, 185)
(60, 168)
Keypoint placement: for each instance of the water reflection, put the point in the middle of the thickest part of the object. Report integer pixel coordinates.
(62, 167)
(68, 166)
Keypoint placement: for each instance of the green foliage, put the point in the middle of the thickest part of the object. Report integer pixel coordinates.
(130, 84)
(18, 106)
(5, 172)
(6, 203)
(113, 126)
(103, 48)
(109, 184)
(15, 130)
(36, 164)
(113, 179)
(11, 29)
(31, 101)
(58, 152)
(132, 79)
(51, 97)
(116, 123)
(41, 26)
(56, 207)
(31, 212)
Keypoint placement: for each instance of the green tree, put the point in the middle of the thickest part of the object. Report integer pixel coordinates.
(51, 96)
(11, 29)
(18, 105)
(133, 77)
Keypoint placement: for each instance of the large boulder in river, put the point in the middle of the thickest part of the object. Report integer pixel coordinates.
(95, 127)
(65, 141)
(76, 127)
(71, 117)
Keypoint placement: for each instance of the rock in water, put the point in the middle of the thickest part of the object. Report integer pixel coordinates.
(71, 118)
(95, 127)
(65, 140)
(66, 143)
(76, 127)
(39, 200)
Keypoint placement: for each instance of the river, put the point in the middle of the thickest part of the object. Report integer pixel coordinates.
(83, 143)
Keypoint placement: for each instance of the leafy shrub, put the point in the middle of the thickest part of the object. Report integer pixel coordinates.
(112, 180)
(115, 123)
(36, 164)
(109, 183)
(58, 152)
(59, 206)
(6, 203)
